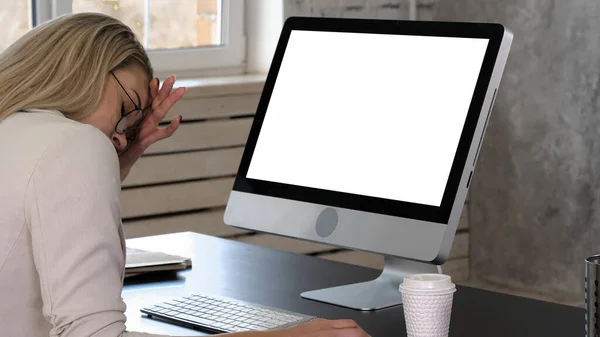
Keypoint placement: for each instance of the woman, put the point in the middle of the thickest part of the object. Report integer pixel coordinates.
(78, 107)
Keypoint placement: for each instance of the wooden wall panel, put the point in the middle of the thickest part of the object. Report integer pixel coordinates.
(215, 107)
(205, 135)
(175, 197)
(184, 166)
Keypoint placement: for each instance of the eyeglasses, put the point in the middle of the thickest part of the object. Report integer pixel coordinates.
(129, 122)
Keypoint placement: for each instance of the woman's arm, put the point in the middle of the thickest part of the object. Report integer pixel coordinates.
(73, 214)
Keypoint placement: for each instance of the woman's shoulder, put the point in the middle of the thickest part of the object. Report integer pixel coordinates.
(47, 149)
(75, 152)
(38, 134)
(47, 127)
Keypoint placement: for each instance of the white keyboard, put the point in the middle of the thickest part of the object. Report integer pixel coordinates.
(221, 314)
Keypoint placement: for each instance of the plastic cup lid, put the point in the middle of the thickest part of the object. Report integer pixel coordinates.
(427, 282)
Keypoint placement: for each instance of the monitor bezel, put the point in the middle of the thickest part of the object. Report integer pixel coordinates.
(438, 214)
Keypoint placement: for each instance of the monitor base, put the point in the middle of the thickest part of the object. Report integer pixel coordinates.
(379, 293)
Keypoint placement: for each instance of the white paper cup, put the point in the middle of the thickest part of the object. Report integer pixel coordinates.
(427, 300)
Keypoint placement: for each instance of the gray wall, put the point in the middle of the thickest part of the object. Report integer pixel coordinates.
(535, 196)
(379, 9)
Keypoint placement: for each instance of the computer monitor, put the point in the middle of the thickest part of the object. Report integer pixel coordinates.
(365, 137)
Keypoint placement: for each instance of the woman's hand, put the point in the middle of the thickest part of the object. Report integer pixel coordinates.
(149, 133)
(322, 328)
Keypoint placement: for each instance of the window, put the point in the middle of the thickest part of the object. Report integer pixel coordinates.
(185, 37)
(15, 17)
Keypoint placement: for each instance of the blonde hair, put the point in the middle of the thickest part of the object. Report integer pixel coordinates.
(63, 64)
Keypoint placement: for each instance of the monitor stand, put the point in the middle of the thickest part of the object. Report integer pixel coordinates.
(379, 293)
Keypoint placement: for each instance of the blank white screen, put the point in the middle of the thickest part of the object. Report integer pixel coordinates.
(368, 114)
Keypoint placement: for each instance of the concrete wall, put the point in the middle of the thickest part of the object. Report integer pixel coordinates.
(535, 196)
(369, 9)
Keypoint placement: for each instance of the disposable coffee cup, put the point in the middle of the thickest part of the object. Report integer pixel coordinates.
(427, 300)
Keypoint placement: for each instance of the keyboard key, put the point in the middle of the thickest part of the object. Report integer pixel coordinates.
(168, 307)
(194, 319)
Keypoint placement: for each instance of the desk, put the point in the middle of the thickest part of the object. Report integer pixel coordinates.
(277, 278)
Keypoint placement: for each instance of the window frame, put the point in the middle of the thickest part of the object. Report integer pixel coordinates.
(227, 59)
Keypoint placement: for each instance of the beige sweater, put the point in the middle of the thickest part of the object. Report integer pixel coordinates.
(62, 250)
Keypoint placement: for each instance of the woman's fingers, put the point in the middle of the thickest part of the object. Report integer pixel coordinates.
(324, 328)
(346, 332)
(342, 324)
(161, 111)
(154, 85)
(163, 133)
(322, 323)
(171, 99)
(164, 91)
(163, 100)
